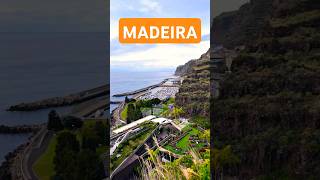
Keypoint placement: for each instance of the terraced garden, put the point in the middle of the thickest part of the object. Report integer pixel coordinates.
(184, 144)
(129, 145)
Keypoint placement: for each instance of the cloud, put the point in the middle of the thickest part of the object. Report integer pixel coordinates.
(151, 56)
(130, 8)
(114, 29)
(160, 56)
(150, 6)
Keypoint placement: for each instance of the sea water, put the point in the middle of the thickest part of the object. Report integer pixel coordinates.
(122, 81)
(35, 66)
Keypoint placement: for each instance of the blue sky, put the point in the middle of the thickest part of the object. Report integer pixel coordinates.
(139, 56)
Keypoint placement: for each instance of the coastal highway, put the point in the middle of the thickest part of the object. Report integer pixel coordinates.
(90, 107)
(92, 101)
(23, 162)
(116, 114)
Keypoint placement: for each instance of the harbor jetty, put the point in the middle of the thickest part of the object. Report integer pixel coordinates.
(140, 90)
(70, 99)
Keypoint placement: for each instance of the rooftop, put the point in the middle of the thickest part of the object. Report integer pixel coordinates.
(133, 124)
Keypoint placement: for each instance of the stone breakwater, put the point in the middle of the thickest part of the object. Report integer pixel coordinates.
(62, 101)
(140, 90)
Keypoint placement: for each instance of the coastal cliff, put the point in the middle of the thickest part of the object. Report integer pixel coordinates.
(194, 94)
(266, 105)
(268, 109)
(232, 29)
(185, 69)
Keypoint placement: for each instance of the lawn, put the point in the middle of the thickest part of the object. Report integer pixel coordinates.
(172, 149)
(43, 167)
(184, 142)
(123, 113)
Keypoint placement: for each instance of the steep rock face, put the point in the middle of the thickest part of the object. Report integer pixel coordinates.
(234, 28)
(194, 92)
(185, 69)
(268, 109)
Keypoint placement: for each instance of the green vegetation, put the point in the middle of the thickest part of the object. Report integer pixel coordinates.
(72, 123)
(191, 166)
(65, 157)
(129, 145)
(203, 122)
(175, 112)
(71, 161)
(132, 110)
(102, 149)
(194, 94)
(124, 112)
(184, 144)
(133, 113)
(297, 19)
(269, 105)
(93, 134)
(74, 153)
(43, 167)
(54, 121)
(223, 158)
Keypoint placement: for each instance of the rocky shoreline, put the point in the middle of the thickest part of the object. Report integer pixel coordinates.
(8, 170)
(18, 163)
(6, 166)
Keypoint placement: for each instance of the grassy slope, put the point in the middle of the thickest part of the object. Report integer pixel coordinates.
(44, 165)
(123, 113)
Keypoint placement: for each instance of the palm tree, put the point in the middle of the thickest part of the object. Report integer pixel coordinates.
(166, 111)
(177, 112)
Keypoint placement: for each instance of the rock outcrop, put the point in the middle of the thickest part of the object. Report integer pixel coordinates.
(194, 93)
